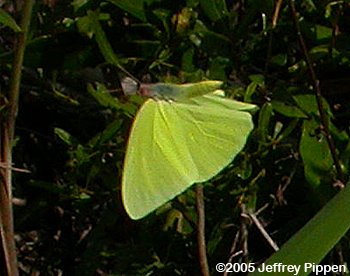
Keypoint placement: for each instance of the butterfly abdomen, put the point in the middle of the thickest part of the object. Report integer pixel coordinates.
(200, 88)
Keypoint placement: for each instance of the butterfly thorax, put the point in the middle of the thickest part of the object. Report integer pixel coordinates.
(161, 91)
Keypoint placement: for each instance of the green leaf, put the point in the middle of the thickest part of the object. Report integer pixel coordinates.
(7, 20)
(77, 4)
(108, 133)
(104, 98)
(64, 136)
(315, 153)
(320, 51)
(46, 186)
(217, 68)
(215, 9)
(308, 104)
(288, 130)
(213, 43)
(244, 169)
(84, 26)
(183, 20)
(323, 32)
(279, 60)
(256, 80)
(192, 3)
(187, 61)
(288, 110)
(102, 41)
(134, 7)
(316, 238)
(309, 5)
(265, 116)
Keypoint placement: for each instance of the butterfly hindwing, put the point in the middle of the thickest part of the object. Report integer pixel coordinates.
(173, 145)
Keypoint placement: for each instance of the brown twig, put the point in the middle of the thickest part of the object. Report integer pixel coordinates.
(202, 252)
(335, 30)
(7, 129)
(276, 13)
(317, 90)
(273, 25)
(4, 166)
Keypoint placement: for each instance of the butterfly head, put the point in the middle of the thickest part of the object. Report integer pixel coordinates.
(129, 86)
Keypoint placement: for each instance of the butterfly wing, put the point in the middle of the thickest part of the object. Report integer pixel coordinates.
(173, 145)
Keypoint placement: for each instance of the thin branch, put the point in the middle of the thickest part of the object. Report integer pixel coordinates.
(262, 230)
(233, 252)
(316, 84)
(7, 126)
(244, 233)
(202, 252)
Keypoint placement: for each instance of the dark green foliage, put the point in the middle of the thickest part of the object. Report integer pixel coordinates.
(73, 125)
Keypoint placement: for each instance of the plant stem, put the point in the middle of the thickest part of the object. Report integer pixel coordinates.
(202, 251)
(7, 128)
(316, 84)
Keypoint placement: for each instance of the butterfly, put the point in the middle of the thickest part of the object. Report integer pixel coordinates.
(183, 134)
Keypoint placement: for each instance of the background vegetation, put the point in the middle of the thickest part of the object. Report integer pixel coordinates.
(73, 124)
